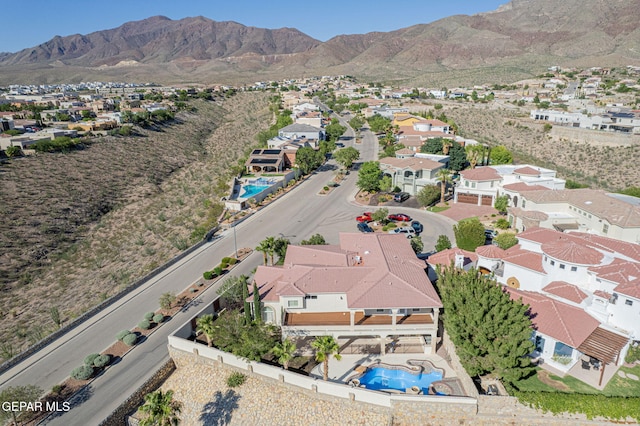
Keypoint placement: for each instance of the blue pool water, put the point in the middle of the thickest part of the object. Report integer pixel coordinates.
(251, 190)
(383, 378)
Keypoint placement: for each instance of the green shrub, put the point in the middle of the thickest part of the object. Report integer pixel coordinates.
(229, 260)
(217, 270)
(633, 354)
(88, 360)
(389, 226)
(149, 315)
(326, 188)
(130, 339)
(122, 334)
(102, 361)
(158, 318)
(502, 223)
(83, 372)
(208, 275)
(596, 405)
(236, 379)
(56, 389)
(224, 265)
(145, 324)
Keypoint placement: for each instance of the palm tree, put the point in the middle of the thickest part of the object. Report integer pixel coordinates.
(473, 154)
(161, 409)
(326, 346)
(444, 177)
(284, 352)
(266, 247)
(446, 145)
(204, 325)
(270, 243)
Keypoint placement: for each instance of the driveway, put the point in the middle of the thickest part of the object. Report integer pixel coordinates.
(459, 211)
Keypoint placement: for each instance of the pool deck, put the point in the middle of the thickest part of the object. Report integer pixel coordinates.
(340, 371)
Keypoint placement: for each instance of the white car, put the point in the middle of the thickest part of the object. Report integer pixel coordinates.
(406, 230)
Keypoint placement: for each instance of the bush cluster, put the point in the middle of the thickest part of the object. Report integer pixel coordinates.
(84, 372)
(149, 316)
(89, 359)
(121, 334)
(158, 318)
(130, 339)
(145, 324)
(236, 379)
(102, 361)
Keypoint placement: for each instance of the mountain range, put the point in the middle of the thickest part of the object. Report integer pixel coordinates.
(517, 40)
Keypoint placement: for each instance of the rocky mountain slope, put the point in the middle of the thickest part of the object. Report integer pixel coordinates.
(518, 39)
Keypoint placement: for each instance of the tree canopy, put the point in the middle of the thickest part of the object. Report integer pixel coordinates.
(314, 240)
(334, 130)
(346, 156)
(308, 159)
(491, 332)
(501, 155)
(369, 176)
(378, 123)
(252, 341)
(428, 195)
(506, 240)
(469, 234)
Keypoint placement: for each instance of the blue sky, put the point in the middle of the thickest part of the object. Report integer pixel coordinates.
(31, 22)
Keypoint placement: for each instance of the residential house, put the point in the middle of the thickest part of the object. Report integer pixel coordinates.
(296, 130)
(265, 161)
(584, 210)
(368, 285)
(411, 172)
(583, 291)
(482, 185)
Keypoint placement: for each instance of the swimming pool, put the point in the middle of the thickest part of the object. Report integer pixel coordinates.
(380, 378)
(251, 190)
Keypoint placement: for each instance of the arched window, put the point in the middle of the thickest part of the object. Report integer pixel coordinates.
(268, 314)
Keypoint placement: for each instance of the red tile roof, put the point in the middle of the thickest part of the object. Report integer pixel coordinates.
(373, 270)
(413, 163)
(529, 171)
(569, 324)
(490, 252)
(480, 173)
(525, 258)
(521, 186)
(447, 257)
(572, 252)
(566, 291)
(626, 274)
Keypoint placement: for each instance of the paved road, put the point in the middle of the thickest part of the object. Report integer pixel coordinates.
(296, 216)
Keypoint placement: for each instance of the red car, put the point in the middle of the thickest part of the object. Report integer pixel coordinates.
(400, 217)
(366, 217)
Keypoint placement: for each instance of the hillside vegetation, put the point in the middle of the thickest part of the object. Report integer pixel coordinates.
(77, 227)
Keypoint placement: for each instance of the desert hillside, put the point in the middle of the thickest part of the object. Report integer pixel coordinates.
(79, 226)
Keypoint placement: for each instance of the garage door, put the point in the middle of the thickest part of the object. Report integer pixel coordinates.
(486, 200)
(468, 198)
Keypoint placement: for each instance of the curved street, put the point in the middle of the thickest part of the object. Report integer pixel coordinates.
(297, 215)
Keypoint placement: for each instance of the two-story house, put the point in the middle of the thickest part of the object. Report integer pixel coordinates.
(583, 291)
(411, 172)
(368, 285)
(585, 210)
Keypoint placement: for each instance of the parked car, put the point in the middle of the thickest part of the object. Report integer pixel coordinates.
(406, 230)
(399, 217)
(490, 233)
(417, 226)
(365, 217)
(364, 227)
(401, 196)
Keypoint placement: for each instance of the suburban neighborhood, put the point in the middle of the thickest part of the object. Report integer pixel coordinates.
(292, 297)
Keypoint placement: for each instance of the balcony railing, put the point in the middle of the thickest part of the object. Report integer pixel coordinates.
(360, 319)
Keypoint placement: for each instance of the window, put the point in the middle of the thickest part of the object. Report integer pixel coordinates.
(292, 303)
(552, 263)
(545, 258)
(605, 228)
(574, 268)
(628, 302)
(492, 182)
(524, 203)
(539, 342)
(562, 266)
(466, 183)
(562, 350)
(268, 314)
(473, 184)
(312, 297)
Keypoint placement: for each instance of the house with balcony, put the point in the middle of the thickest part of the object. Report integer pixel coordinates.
(482, 185)
(584, 210)
(411, 172)
(367, 286)
(584, 296)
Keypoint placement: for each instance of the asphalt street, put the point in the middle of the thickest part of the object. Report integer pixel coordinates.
(297, 215)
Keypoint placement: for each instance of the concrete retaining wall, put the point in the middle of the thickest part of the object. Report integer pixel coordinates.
(593, 137)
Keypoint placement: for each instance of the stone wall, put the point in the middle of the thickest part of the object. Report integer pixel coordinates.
(448, 352)
(119, 416)
(593, 137)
